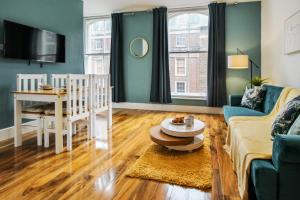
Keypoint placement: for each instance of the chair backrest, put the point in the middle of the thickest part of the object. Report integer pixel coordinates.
(30, 81)
(59, 80)
(78, 92)
(100, 92)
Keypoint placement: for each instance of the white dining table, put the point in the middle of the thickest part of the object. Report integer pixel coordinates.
(49, 96)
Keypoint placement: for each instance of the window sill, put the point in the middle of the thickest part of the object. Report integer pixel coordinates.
(189, 97)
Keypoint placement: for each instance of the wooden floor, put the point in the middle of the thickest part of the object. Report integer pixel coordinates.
(95, 169)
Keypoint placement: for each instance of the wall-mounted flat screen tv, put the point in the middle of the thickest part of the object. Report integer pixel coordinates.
(29, 43)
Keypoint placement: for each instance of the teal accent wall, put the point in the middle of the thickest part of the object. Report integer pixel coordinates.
(137, 70)
(62, 16)
(243, 31)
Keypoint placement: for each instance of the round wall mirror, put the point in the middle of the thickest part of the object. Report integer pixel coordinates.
(139, 47)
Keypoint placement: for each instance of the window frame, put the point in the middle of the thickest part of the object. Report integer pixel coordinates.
(176, 66)
(102, 62)
(101, 44)
(175, 11)
(86, 54)
(182, 39)
(177, 87)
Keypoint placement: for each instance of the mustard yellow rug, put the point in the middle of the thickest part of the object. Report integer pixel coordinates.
(191, 169)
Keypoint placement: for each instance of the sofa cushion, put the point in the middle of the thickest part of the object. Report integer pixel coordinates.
(248, 140)
(286, 117)
(264, 179)
(271, 96)
(295, 128)
(253, 98)
(231, 111)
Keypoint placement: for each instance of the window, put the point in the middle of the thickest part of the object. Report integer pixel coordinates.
(180, 40)
(180, 67)
(188, 45)
(180, 87)
(98, 65)
(97, 45)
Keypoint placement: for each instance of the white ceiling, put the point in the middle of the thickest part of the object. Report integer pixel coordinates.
(105, 7)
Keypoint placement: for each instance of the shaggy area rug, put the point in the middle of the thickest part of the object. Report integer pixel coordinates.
(191, 169)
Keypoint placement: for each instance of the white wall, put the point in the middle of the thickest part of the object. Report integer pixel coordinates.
(106, 7)
(280, 68)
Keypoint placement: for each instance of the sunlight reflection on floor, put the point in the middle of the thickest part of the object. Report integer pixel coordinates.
(104, 182)
(103, 136)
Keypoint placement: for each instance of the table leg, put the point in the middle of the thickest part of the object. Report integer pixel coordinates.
(89, 127)
(58, 125)
(17, 122)
(109, 117)
(109, 112)
(39, 132)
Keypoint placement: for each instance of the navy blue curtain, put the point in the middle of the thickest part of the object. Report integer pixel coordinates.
(160, 83)
(117, 58)
(216, 66)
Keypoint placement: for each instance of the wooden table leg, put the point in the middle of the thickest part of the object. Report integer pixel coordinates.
(58, 125)
(17, 122)
(91, 124)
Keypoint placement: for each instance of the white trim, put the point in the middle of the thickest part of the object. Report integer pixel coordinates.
(167, 107)
(8, 133)
(176, 96)
(176, 66)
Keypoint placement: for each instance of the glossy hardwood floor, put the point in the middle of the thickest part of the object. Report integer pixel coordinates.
(95, 169)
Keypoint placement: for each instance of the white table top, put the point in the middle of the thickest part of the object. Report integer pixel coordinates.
(182, 130)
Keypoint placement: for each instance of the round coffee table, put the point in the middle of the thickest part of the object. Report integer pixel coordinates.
(182, 130)
(178, 137)
(159, 137)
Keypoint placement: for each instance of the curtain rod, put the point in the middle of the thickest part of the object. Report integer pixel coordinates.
(137, 11)
(202, 7)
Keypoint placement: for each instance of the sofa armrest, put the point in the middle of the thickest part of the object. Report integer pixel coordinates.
(264, 179)
(235, 100)
(286, 160)
(286, 149)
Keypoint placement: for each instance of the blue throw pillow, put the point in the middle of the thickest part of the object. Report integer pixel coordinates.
(295, 128)
(286, 117)
(253, 98)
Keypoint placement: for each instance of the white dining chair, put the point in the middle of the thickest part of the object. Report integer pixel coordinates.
(58, 81)
(32, 110)
(77, 107)
(101, 99)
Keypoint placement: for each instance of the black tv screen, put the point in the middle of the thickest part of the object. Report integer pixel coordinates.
(25, 42)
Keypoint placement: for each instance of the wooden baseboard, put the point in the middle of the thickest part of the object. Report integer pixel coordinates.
(167, 107)
(8, 133)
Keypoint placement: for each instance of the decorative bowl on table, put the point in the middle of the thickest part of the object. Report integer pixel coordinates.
(178, 121)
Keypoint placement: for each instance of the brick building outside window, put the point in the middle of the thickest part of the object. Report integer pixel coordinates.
(188, 44)
(97, 45)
